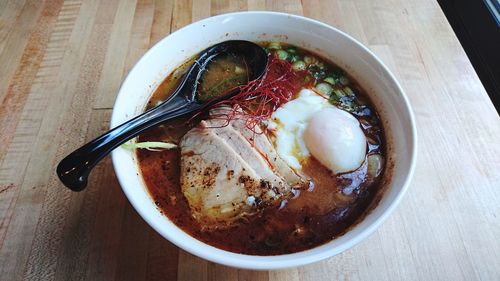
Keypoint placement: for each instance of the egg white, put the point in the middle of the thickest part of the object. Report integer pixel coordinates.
(289, 122)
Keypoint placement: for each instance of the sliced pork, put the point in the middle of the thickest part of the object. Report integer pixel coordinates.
(230, 172)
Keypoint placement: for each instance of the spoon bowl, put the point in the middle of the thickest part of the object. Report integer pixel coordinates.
(74, 169)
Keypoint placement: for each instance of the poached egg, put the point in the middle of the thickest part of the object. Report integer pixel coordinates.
(310, 125)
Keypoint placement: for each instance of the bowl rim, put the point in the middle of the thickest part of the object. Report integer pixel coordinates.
(278, 261)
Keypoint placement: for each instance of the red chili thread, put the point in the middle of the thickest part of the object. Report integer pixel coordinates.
(260, 98)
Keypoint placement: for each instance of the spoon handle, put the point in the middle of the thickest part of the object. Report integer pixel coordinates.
(75, 168)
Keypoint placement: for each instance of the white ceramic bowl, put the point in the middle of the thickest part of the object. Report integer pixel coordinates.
(331, 43)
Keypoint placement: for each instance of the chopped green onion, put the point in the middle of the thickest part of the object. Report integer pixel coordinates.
(291, 50)
(317, 73)
(274, 45)
(321, 65)
(309, 60)
(324, 88)
(339, 93)
(299, 65)
(334, 100)
(375, 165)
(293, 58)
(330, 80)
(149, 145)
(282, 55)
(343, 80)
(348, 91)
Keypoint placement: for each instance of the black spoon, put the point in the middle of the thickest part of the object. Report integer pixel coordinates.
(75, 168)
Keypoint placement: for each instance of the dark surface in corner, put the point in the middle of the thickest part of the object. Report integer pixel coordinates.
(478, 30)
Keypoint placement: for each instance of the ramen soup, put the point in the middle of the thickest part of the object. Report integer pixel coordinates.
(291, 162)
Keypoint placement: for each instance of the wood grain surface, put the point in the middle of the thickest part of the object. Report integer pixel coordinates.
(62, 62)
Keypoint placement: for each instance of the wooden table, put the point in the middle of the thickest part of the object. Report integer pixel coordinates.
(61, 64)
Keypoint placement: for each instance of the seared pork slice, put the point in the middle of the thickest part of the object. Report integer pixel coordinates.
(220, 182)
(264, 147)
(225, 177)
